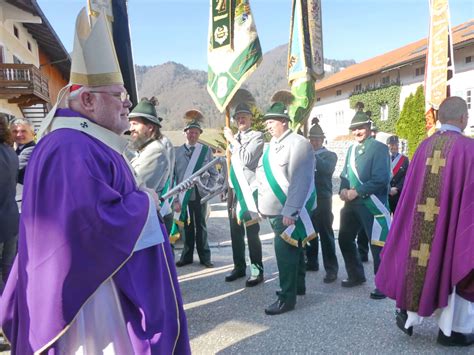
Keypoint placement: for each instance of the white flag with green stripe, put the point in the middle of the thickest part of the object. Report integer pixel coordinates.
(305, 57)
(234, 50)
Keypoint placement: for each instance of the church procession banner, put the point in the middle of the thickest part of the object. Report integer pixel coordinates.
(305, 57)
(439, 66)
(234, 50)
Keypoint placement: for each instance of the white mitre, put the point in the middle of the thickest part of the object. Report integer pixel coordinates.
(94, 61)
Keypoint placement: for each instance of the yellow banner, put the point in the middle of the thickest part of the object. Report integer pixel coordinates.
(438, 56)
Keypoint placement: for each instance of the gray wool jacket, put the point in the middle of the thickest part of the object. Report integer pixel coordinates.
(182, 158)
(152, 165)
(250, 150)
(293, 155)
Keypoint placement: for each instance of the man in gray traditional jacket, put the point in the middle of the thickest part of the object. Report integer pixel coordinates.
(286, 196)
(190, 157)
(151, 161)
(246, 148)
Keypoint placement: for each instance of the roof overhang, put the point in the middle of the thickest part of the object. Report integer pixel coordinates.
(44, 34)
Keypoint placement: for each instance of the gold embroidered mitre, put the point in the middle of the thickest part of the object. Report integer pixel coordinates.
(94, 60)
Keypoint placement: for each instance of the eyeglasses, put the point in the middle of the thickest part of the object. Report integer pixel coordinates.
(123, 96)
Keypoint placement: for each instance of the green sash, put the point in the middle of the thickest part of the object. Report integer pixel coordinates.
(246, 195)
(166, 204)
(376, 207)
(195, 163)
(303, 229)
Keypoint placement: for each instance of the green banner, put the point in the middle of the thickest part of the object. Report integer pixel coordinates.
(230, 65)
(221, 23)
(305, 58)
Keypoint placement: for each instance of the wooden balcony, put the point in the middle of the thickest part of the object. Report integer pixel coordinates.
(23, 84)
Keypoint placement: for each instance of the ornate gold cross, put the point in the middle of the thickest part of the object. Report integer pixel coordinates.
(436, 162)
(430, 209)
(423, 254)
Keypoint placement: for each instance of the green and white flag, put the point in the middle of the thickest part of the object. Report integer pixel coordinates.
(234, 49)
(305, 57)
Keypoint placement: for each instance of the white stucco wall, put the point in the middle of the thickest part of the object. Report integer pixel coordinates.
(335, 114)
(11, 16)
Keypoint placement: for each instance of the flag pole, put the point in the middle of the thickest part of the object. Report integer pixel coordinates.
(230, 197)
(227, 124)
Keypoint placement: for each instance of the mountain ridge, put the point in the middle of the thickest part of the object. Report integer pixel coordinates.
(179, 88)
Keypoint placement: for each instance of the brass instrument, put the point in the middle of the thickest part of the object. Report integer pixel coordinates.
(199, 178)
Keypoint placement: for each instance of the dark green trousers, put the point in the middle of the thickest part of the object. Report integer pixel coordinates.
(290, 262)
(196, 232)
(237, 235)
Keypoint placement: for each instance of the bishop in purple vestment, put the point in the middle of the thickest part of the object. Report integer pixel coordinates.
(428, 261)
(94, 271)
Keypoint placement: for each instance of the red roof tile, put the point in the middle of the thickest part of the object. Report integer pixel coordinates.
(409, 53)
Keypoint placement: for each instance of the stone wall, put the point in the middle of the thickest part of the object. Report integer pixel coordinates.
(340, 148)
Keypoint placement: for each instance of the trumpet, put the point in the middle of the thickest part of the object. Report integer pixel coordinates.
(197, 179)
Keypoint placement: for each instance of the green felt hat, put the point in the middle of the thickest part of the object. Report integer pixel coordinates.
(242, 108)
(146, 109)
(193, 119)
(316, 131)
(373, 127)
(392, 140)
(359, 119)
(278, 110)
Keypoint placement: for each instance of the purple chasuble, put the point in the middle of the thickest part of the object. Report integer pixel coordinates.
(81, 218)
(430, 246)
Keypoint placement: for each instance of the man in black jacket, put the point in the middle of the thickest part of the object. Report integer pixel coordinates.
(399, 166)
(322, 217)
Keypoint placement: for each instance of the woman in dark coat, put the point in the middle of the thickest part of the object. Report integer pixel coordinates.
(9, 216)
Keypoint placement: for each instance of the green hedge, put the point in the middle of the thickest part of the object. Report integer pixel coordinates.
(374, 99)
(411, 124)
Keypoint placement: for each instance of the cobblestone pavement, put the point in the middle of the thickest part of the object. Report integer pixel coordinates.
(227, 318)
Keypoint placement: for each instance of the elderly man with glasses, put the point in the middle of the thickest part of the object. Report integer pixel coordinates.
(93, 259)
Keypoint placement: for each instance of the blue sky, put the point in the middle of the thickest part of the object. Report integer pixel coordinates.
(176, 30)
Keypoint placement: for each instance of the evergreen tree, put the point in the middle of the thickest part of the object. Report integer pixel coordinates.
(411, 123)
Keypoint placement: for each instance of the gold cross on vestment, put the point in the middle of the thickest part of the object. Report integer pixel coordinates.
(430, 209)
(436, 162)
(423, 254)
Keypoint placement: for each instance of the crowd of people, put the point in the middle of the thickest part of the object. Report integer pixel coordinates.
(95, 235)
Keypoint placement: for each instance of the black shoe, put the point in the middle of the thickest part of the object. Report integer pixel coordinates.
(330, 277)
(377, 295)
(352, 283)
(456, 339)
(312, 267)
(298, 293)
(207, 264)
(182, 263)
(278, 307)
(364, 259)
(254, 281)
(234, 275)
(401, 317)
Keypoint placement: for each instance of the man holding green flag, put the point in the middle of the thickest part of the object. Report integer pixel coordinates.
(246, 148)
(365, 181)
